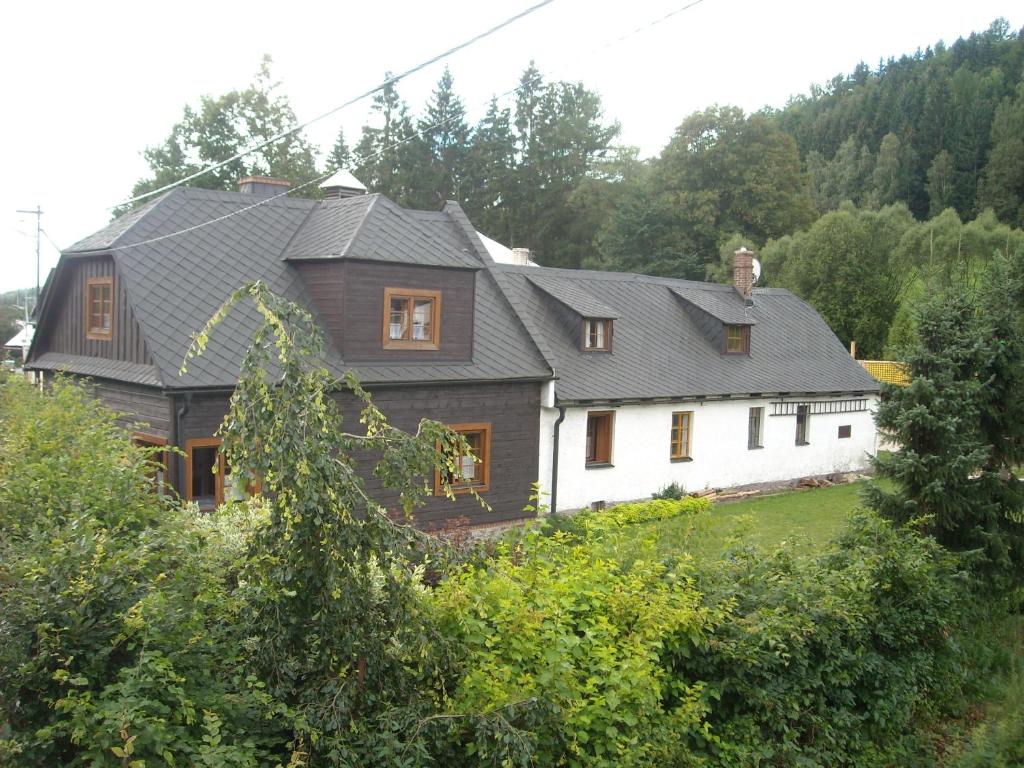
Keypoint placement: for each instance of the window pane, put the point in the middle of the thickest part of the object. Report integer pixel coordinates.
(422, 319)
(398, 324)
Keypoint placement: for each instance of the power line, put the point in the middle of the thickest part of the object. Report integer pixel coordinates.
(385, 84)
(363, 160)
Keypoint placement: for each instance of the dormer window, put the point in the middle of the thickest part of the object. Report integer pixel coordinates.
(99, 308)
(737, 339)
(412, 318)
(597, 335)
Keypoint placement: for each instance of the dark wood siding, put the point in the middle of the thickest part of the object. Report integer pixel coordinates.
(512, 410)
(144, 409)
(349, 297)
(324, 281)
(64, 329)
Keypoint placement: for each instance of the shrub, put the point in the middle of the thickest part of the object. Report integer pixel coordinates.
(118, 627)
(552, 622)
(671, 491)
(833, 659)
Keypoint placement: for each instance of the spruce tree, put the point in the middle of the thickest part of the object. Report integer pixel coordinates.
(446, 137)
(959, 427)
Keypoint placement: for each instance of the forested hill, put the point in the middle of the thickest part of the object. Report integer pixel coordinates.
(943, 127)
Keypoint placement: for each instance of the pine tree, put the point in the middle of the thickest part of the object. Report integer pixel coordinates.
(446, 136)
(341, 155)
(959, 427)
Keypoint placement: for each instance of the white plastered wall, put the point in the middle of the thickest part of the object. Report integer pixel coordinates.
(641, 463)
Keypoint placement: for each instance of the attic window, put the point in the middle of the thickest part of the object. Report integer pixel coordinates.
(597, 335)
(412, 318)
(737, 339)
(99, 308)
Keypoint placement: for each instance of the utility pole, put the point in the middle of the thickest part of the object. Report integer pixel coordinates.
(38, 213)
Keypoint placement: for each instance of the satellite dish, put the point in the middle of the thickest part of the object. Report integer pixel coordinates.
(757, 269)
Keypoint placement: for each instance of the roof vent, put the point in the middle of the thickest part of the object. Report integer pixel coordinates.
(521, 256)
(342, 184)
(263, 186)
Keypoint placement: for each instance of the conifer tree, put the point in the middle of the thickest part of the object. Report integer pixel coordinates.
(446, 136)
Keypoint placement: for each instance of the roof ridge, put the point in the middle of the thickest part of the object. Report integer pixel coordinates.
(377, 196)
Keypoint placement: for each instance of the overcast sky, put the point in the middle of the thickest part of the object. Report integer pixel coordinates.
(90, 85)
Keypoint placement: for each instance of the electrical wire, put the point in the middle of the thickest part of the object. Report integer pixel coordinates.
(365, 159)
(380, 87)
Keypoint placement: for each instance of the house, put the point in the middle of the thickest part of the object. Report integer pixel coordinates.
(405, 298)
(602, 386)
(706, 385)
(19, 343)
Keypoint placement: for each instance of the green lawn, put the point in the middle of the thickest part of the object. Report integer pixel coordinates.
(810, 518)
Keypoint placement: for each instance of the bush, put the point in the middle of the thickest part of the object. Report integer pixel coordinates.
(552, 622)
(774, 658)
(673, 491)
(118, 627)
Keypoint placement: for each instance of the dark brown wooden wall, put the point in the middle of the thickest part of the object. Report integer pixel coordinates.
(513, 411)
(144, 409)
(65, 328)
(349, 297)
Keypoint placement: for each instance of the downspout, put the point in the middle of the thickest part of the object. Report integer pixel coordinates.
(178, 416)
(554, 460)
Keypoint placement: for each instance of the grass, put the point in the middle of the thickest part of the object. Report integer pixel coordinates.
(809, 518)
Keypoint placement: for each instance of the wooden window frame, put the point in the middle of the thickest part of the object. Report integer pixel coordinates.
(410, 295)
(755, 438)
(803, 422)
(744, 339)
(605, 439)
(678, 449)
(205, 442)
(91, 332)
(483, 462)
(144, 440)
(845, 431)
(607, 324)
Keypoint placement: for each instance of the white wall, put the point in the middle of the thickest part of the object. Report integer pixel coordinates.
(640, 449)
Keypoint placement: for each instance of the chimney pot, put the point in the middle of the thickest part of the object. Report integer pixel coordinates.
(263, 186)
(743, 272)
(521, 256)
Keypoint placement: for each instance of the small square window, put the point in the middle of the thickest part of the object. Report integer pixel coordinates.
(99, 308)
(412, 318)
(737, 339)
(844, 431)
(599, 438)
(597, 335)
(473, 470)
(682, 433)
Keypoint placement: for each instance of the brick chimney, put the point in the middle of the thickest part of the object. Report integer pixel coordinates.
(521, 256)
(743, 272)
(262, 186)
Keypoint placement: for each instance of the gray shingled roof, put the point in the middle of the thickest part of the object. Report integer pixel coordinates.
(659, 352)
(572, 294)
(98, 367)
(175, 285)
(373, 228)
(722, 302)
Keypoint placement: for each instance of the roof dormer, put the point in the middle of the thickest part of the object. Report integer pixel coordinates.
(588, 319)
(722, 314)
